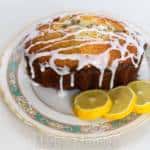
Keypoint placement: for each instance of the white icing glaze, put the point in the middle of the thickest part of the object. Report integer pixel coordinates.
(99, 61)
(113, 71)
(61, 92)
(42, 67)
(72, 76)
(65, 37)
(101, 77)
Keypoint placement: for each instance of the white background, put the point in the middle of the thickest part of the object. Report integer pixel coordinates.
(14, 14)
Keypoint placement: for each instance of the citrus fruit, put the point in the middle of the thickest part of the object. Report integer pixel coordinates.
(123, 101)
(92, 104)
(142, 90)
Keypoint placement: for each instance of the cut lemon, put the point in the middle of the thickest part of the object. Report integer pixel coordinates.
(142, 90)
(123, 101)
(92, 104)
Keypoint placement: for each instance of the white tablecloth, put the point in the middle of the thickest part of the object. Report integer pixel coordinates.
(14, 14)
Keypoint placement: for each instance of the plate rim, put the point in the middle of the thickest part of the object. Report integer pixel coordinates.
(47, 130)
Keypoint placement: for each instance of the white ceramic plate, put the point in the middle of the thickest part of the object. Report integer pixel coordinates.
(44, 109)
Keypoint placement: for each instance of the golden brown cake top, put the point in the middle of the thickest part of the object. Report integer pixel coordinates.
(71, 42)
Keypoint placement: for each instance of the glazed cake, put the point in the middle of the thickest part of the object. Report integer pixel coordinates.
(83, 51)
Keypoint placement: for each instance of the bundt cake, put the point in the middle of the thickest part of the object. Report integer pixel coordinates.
(83, 51)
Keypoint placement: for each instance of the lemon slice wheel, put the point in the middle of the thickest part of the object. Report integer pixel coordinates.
(92, 104)
(142, 90)
(123, 101)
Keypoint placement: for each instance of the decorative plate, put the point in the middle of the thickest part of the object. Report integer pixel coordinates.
(43, 109)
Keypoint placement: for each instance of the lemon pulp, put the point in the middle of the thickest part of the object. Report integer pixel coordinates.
(142, 90)
(92, 104)
(123, 101)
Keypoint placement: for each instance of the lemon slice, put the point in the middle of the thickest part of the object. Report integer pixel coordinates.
(142, 90)
(92, 104)
(123, 101)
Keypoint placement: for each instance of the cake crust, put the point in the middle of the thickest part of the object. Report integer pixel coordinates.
(82, 51)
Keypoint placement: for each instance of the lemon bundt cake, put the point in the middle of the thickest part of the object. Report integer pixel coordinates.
(83, 51)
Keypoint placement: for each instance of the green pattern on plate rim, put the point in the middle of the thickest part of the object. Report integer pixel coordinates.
(98, 125)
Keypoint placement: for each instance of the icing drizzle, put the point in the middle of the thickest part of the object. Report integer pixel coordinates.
(88, 33)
